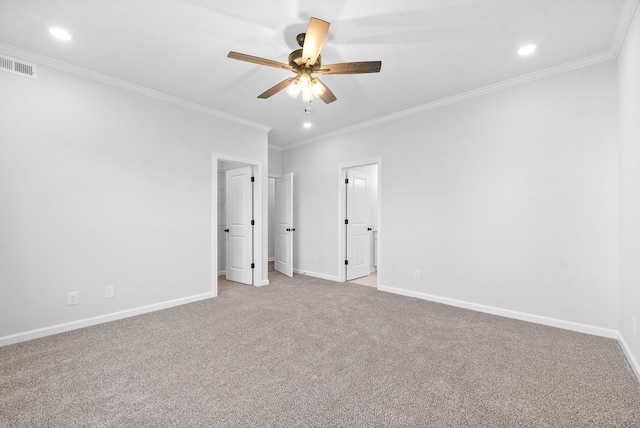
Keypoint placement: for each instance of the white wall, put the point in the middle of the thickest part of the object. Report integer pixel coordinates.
(100, 186)
(275, 162)
(629, 107)
(508, 200)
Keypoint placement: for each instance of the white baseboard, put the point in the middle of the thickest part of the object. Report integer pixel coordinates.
(552, 322)
(316, 275)
(635, 365)
(87, 322)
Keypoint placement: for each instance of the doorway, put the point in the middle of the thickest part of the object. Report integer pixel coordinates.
(284, 228)
(281, 228)
(237, 221)
(271, 249)
(360, 222)
(239, 224)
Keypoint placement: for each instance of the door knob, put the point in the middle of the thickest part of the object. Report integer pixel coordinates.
(368, 228)
(226, 230)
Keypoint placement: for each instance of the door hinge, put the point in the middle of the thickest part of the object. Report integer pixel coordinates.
(253, 179)
(253, 222)
(253, 265)
(346, 221)
(346, 262)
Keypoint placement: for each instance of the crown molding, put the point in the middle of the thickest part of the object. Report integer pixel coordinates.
(127, 86)
(629, 9)
(517, 81)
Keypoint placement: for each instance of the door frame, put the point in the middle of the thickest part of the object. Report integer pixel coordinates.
(342, 173)
(259, 277)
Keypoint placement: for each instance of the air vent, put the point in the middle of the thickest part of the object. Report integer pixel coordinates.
(16, 66)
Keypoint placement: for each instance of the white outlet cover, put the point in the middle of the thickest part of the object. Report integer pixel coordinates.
(72, 298)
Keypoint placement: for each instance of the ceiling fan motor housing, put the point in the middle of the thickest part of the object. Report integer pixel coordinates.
(296, 61)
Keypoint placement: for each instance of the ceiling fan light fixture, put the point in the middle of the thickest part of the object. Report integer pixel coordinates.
(307, 61)
(304, 81)
(317, 88)
(307, 95)
(293, 89)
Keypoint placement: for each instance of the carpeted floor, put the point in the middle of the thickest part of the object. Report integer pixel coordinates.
(305, 352)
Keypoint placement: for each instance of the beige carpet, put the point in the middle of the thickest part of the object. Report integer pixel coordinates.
(305, 352)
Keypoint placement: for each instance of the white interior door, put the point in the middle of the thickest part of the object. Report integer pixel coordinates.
(284, 225)
(358, 229)
(239, 215)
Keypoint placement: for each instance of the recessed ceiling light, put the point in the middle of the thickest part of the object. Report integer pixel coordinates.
(307, 125)
(59, 33)
(526, 50)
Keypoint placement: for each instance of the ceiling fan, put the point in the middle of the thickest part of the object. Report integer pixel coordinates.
(307, 61)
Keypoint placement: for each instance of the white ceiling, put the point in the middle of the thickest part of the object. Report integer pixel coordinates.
(430, 49)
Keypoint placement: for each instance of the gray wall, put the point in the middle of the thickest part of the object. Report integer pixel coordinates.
(629, 107)
(100, 186)
(506, 202)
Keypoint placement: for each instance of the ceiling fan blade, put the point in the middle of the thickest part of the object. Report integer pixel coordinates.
(276, 88)
(314, 40)
(327, 96)
(258, 60)
(351, 68)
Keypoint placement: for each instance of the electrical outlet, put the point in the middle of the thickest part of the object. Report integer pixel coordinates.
(633, 325)
(109, 291)
(416, 274)
(72, 298)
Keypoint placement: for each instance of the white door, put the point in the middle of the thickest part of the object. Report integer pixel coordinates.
(239, 215)
(284, 224)
(358, 226)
